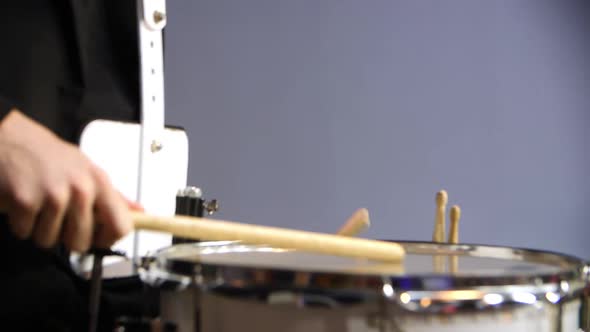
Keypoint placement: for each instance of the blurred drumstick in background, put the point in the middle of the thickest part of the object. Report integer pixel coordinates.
(454, 216)
(439, 221)
(358, 222)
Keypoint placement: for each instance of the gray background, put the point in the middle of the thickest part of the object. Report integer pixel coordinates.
(300, 111)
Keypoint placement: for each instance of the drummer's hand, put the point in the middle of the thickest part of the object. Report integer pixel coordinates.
(52, 193)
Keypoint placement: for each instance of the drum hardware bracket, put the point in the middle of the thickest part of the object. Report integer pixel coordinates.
(211, 206)
(156, 146)
(190, 202)
(96, 284)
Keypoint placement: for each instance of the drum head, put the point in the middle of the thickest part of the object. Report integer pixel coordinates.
(438, 272)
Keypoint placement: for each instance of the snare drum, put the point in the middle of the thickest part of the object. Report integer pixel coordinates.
(228, 286)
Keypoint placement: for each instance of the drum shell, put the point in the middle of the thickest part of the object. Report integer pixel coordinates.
(194, 310)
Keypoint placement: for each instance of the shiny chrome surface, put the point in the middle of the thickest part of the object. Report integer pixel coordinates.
(482, 277)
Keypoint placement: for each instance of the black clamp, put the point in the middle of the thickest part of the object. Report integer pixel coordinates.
(190, 202)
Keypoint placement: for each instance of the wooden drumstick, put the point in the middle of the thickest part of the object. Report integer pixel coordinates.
(454, 215)
(358, 222)
(212, 229)
(439, 223)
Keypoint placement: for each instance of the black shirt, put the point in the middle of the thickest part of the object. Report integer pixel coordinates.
(63, 63)
(66, 63)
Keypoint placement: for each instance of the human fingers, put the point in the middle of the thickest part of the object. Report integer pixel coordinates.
(111, 212)
(50, 219)
(78, 228)
(21, 222)
(22, 212)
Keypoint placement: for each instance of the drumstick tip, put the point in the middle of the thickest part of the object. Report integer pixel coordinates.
(358, 222)
(362, 215)
(442, 198)
(455, 213)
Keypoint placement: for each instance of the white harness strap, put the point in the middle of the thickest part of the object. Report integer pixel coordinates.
(151, 16)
